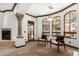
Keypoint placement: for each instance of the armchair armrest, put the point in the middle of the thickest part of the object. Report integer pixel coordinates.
(61, 41)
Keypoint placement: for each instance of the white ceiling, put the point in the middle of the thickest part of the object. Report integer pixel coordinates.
(6, 6)
(34, 9)
(42, 8)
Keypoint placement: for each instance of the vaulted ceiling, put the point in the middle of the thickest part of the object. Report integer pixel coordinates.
(34, 9)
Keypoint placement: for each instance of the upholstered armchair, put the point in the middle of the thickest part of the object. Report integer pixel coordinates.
(59, 41)
(42, 39)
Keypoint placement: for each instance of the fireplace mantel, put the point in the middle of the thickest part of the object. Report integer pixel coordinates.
(6, 29)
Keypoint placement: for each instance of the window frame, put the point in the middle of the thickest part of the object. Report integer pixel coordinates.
(59, 32)
(48, 26)
(70, 22)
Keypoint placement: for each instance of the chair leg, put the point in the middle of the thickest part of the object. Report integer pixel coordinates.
(65, 47)
(45, 42)
(38, 41)
(58, 47)
(50, 43)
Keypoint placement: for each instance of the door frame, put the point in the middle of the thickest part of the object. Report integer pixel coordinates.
(31, 22)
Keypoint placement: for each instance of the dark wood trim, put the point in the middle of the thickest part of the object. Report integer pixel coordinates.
(43, 32)
(68, 45)
(56, 32)
(14, 8)
(72, 46)
(30, 15)
(69, 25)
(44, 41)
(9, 10)
(55, 44)
(57, 11)
(70, 11)
(51, 13)
(38, 15)
(31, 22)
(57, 24)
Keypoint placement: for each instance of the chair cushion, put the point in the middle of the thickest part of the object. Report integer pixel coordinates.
(41, 39)
(60, 39)
(44, 36)
(54, 41)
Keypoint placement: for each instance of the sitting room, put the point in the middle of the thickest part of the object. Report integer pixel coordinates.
(39, 29)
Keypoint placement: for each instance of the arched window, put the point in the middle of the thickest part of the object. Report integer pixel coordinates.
(56, 26)
(70, 24)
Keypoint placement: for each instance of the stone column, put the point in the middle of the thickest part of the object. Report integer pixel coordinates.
(19, 18)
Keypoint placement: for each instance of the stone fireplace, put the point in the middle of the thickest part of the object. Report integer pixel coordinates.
(6, 34)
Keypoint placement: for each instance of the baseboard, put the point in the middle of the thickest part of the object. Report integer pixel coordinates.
(52, 43)
(29, 41)
(19, 46)
(55, 44)
(41, 40)
(72, 46)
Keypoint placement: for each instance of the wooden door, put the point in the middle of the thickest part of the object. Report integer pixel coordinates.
(30, 30)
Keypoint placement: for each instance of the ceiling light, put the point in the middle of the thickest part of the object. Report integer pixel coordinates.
(50, 7)
(50, 17)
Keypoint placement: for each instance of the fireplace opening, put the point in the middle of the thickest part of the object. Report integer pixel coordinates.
(6, 35)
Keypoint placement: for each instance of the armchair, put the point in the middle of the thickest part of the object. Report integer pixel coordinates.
(44, 39)
(59, 42)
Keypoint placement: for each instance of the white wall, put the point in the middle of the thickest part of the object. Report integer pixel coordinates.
(36, 28)
(74, 42)
(77, 26)
(1, 18)
(9, 21)
(25, 26)
(1, 21)
(39, 26)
